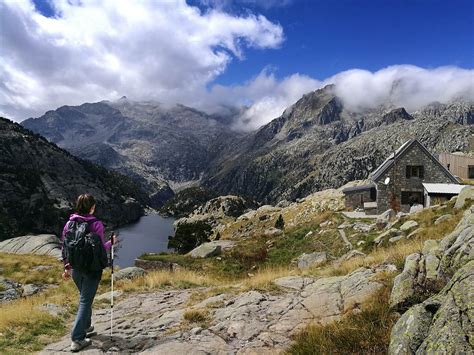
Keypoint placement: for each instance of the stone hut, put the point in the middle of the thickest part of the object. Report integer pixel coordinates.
(398, 182)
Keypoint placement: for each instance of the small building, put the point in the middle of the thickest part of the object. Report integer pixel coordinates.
(436, 194)
(458, 164)
(398, 182)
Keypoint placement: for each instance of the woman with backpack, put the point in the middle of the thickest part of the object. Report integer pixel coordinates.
(84, 257)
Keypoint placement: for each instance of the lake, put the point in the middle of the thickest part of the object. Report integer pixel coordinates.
(148, 235)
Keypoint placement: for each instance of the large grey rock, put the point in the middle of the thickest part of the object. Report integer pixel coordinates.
(129, 273)
(443, 218)
(272, 232)
(466, 193)
(43, 244)
(405, 284)
(206, 250)
(31, 289)
(443, 324)
(315, 259)
(405, 227)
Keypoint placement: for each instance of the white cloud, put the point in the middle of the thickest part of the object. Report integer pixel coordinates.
(403, 86)
(102, 49)
(171, 52)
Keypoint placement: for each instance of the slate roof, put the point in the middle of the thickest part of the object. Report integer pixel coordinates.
(388, 163)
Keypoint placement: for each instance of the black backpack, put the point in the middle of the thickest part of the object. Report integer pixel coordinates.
(83, 250)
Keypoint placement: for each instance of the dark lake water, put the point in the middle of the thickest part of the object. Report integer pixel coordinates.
(149, 234)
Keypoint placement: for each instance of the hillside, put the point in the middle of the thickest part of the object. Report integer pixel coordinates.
(40, 181)
(275, 292)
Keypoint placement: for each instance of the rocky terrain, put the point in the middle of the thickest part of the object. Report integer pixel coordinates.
(39, 182)
(248, 323)
(162, 148)
(317, 144)
(437, 284)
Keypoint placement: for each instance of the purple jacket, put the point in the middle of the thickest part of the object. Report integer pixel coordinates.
(94, 227)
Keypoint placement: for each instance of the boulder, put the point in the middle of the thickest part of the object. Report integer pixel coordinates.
(443, 218)
(416, 208)
(442, 324)
(387, 216)
(385, 236)
(439, 281)
(31, 289)
(272, 232)
(466, 193)
(405, 284)
(414, 233)
(405, 227)
(43, 244)
(206, 250)
(129, 273)
(306, 261)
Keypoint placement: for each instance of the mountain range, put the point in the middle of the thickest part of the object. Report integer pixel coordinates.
(316, 143)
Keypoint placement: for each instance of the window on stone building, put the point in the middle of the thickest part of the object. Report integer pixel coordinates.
(470, 171)
(415, 171)
(412, 198)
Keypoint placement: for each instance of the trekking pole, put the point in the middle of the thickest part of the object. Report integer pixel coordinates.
(112, 281)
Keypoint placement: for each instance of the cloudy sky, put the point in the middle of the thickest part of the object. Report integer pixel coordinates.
(210, 54)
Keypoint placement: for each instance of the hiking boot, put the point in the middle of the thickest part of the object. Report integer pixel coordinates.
(80, 344)
(90, 329)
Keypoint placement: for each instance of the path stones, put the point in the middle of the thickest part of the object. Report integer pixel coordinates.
(108, 295)
(248, 323)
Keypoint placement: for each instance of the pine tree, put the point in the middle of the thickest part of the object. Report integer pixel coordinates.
(280, 223)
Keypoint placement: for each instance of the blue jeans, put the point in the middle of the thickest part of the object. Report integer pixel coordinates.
(87, 284)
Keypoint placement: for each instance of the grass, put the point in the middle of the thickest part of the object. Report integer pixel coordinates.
(24, 326)
(197, 316)
(358, 333)
(181, 279)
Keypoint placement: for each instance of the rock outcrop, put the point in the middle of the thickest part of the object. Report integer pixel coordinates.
(43, 244)
(440, 322)
(247, 323)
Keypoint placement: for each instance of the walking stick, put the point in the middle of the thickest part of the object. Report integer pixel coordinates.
(112, 278)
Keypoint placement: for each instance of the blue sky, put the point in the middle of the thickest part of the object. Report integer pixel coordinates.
(324, 37)
(212, 54)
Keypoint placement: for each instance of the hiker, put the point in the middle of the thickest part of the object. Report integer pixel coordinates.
(84, 261)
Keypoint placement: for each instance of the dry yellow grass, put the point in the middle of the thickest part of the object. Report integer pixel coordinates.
(165, 279)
